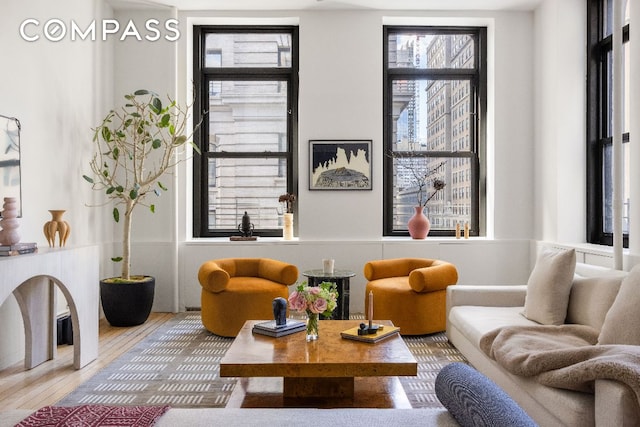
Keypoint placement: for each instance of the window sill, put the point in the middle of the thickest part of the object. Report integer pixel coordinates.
(203, 241)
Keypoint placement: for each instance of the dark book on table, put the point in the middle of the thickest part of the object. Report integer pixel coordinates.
(270, 328)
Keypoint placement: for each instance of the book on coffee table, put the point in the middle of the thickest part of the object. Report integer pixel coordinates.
(270, 328)
(386, 332)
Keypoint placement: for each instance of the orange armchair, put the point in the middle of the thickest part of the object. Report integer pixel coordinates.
(411, 292)
(235, 290)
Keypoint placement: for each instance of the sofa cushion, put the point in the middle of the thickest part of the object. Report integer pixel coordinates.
(622, 323)
(549, 286)
(475, 321)
(591, 298)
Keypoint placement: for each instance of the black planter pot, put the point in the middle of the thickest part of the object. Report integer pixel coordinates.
(127, 303)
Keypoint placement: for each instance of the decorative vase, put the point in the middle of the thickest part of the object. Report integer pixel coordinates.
(287, 232)
(9, 222)
(57, 225)
(312, 326)
(418, 224)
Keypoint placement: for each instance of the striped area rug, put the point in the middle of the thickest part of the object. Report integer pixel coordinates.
(178, 365)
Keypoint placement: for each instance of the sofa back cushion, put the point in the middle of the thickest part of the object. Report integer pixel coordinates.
(591, 298)
(622, 322)
(549, 286)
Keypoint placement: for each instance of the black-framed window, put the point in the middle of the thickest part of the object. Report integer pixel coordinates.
(600, 122)
(246, 80)
(434, 124)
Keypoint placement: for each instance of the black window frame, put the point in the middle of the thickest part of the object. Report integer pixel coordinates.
(599, 45)
(202, 75)
(478, 79)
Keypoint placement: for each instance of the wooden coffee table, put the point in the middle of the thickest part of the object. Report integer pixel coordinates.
(330, 372)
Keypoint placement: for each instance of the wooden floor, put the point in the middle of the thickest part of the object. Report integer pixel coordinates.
(51, 381)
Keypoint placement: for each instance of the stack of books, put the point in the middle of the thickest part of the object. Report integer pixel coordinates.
(270, 328)
(18, 249)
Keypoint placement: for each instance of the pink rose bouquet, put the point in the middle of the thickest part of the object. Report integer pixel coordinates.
(321, 299)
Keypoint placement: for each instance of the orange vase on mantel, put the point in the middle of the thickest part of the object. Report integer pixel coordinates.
(418, 224)
(57, 225)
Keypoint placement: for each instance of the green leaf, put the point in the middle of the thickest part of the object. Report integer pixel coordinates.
(119, 189)
(135, 114)
(133, 194)
(156, 143)
(129, 97)
(172, 130)
(116, 215)
(88, 179)
(180, 140)
(141, 92)
(195, 147)
(165, 121)
(110, 190)
(106, 134)
(162, 186)
(156, 105)
(116, 153)
(152, 208)
(116, 259)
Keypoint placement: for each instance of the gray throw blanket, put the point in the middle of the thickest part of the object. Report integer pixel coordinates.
(565, 356)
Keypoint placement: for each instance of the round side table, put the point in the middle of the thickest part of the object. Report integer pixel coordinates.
(341, 279)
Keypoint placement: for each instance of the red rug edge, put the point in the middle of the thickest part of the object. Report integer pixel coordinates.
(95, 416)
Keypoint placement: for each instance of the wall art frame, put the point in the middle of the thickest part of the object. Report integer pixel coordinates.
(10, 181)
(340, 164)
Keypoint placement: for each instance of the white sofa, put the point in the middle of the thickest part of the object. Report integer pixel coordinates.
(475, 310)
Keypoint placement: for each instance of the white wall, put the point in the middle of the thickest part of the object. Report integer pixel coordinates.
(340, 97)
(56, 90)
(560, 153)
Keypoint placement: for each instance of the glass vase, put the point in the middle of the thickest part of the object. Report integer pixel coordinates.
(312, 326)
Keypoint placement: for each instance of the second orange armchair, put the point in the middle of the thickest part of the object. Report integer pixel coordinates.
(411, 292)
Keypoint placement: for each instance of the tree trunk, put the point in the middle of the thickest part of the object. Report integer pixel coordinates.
(126, 242)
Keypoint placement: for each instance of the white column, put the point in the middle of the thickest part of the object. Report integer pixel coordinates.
(634, 134)
(617, 101)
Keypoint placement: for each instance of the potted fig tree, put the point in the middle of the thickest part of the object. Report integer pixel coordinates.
(135, 145)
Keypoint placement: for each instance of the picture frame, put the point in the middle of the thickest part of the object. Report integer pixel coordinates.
(10, 181)
(340, 164)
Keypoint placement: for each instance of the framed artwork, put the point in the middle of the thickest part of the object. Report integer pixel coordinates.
(340, 164)
(10, 159)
